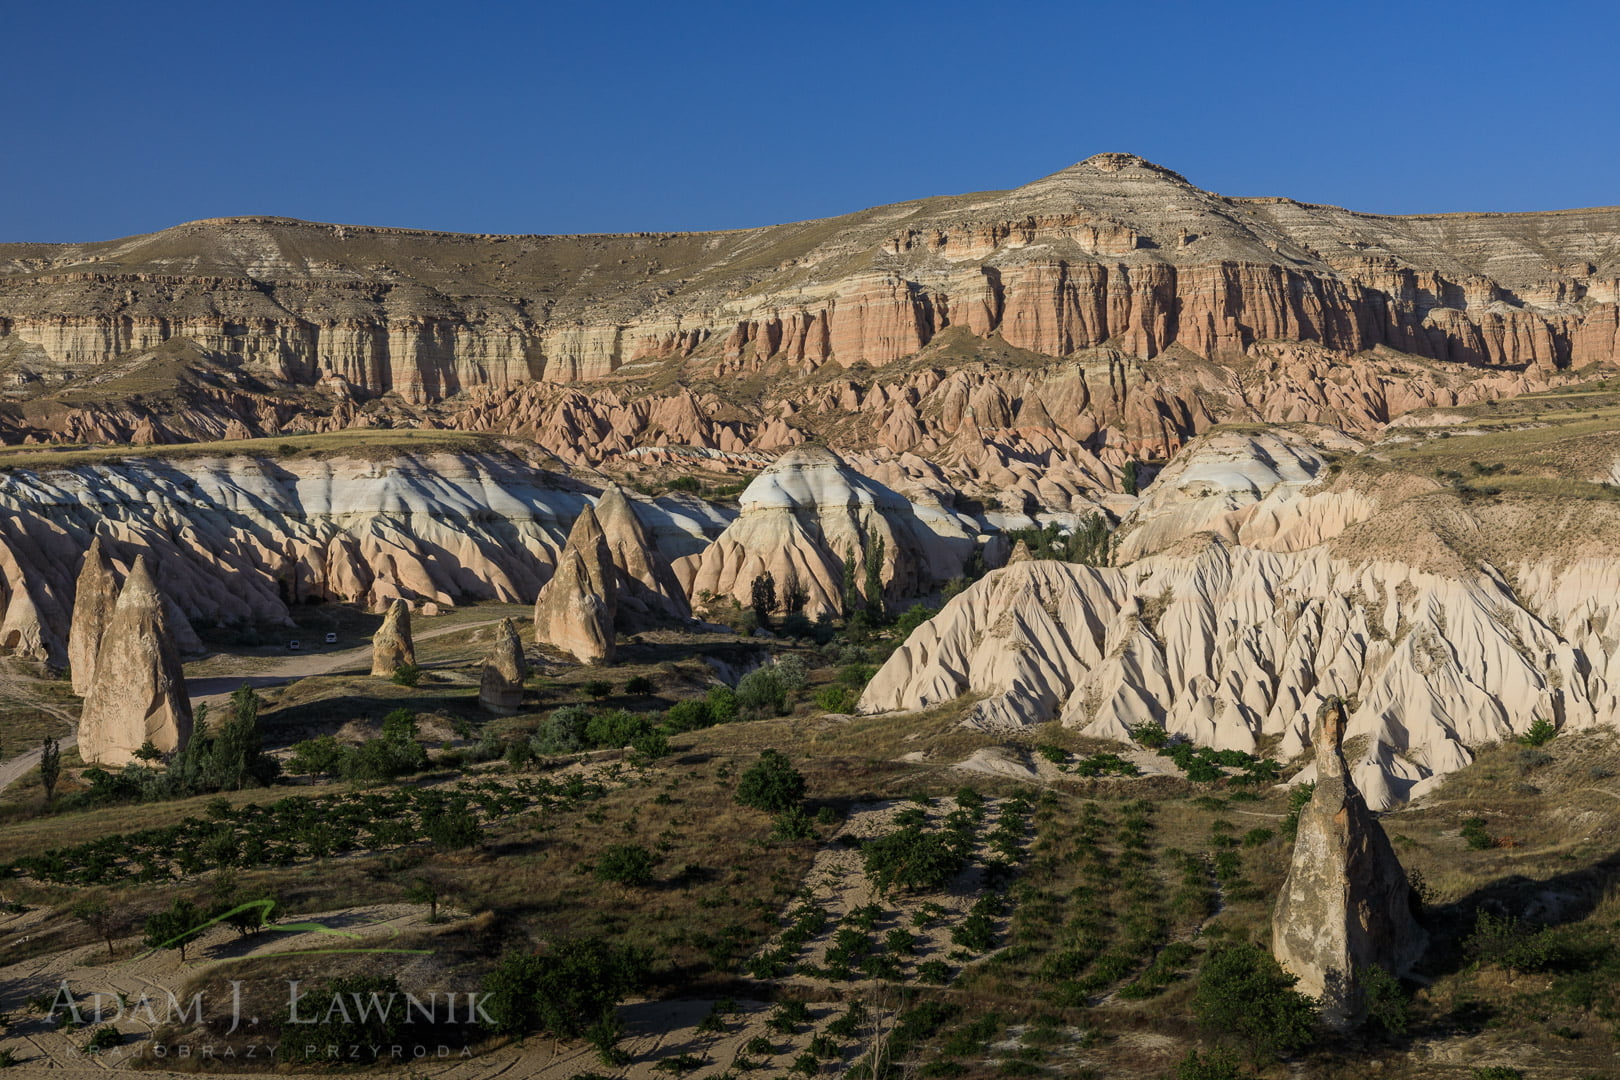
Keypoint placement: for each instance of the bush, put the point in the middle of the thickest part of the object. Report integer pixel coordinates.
(793, 824)
(1473, 831)
(1541, 733)
(596, 688)
(1388, 1008)
(688, 716)
(911, 618)
(722, 702)
(771, 784)
(564, 991)
(791, 673)
(640, 684)
(1218, 1064)
(761, 690)
(909, 858)
(320, 756)
(455, 830)
(407, 675)
(1243, 993)
(836, 699)
(1150, 736)
(625, 864)
(563, 732)
(617, 728)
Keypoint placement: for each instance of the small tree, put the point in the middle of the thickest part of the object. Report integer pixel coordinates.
(763, 597)
(95, 913)
(172, 929)
(794, 595)
(425, 891)
(50, 767)
(874, 580)
(625, 864)
(852, 591)
(565, 991)
(771, 784)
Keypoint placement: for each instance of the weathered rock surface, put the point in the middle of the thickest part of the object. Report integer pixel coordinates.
(138, 692)
(239, 537)
(1233, 644)
(646, 585)
(800, 518)
(1344, 906)
(94, 597)
(1113, 249)
(391, 645)
(500, 689)
(576, 609)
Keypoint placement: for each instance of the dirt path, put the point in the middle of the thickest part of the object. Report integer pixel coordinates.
(13, 770)
(215, 690)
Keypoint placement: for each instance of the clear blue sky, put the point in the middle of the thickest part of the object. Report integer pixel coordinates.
(549, 117)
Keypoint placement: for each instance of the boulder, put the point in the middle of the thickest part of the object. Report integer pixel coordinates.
(138, 692)
(500, 691)
(391, 645)
(94, 598)
(576, 609)
(1345, 905)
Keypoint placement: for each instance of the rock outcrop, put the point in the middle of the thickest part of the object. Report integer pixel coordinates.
(138, 693)
(95, 596)
(1231, 644)
(803, 516)
(500, 689)
(1344, 906)
(576, 609)
(646, 586)
(240, 537)
(1113, 249)
(391, 645)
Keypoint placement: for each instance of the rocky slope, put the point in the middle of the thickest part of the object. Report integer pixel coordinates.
(1114, 249)
(240, 535)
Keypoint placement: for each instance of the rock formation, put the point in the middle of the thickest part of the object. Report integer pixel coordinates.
(138, 692)
(803, 516)
(1113, 249)
(500, 690)
(240, 537)
(94, 597)
(646, 584)
(576, 609)
(1229, 644)
(391, 645)
(1344, 906)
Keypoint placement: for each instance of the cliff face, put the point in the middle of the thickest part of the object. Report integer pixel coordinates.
(1112, 251)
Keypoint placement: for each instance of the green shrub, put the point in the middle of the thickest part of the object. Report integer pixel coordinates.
(792, 824)
(1219, 1064)
(1541, 732)
(455, 830)
(722, 702)
(625, 864)
(1243, 993)
(563, 732)
(791, 672)
(564, 991)
(1150, 736)
(407, 675)
(771, 784)
(366, 1027)
(617, 728)
(639, 684)
(760, 690)
(1473, 831)
(1298, 796)
(688, 716)
(912, 859)
(596, 688)
(836, 699)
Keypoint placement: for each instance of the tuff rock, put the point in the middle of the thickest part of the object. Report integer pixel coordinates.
(500, 689)
(138, 692)
(576, 609)
(391, 645)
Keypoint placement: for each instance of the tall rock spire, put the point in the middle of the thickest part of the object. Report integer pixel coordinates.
(1345, 903)
(138, 690)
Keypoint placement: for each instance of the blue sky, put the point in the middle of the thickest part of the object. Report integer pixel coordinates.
(544, 117)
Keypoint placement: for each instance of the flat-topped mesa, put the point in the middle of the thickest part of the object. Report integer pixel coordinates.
(500, 689)
(576, 609)
(138, 693)
(1345, 905)
(391, 645)
(647, 587)
(94, 598)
